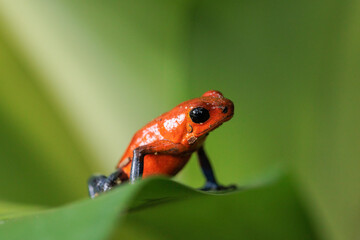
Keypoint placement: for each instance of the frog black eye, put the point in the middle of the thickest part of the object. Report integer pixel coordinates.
(199, 115)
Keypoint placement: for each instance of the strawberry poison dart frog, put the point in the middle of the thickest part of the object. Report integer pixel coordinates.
(164, 145)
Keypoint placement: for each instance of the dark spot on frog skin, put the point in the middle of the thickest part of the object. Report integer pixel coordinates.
(189, 128)
(192, 140)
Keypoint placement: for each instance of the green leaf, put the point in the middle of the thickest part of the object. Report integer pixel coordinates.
(157, 206)
(12, 210)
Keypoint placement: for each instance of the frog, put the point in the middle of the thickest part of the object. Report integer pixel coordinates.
(165, 145)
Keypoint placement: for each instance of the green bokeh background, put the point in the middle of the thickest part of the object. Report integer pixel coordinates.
(78, 79)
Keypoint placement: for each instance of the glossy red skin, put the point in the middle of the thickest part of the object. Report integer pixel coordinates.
(176, 126)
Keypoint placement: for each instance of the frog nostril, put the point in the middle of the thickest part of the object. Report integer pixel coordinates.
(225, 110)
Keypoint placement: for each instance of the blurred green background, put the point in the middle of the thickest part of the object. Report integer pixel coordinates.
(78, 79)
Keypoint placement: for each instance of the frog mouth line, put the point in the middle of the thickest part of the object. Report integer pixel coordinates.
(216, 125)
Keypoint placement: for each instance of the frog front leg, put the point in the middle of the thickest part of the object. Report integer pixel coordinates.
(211, 183)
(158, 147)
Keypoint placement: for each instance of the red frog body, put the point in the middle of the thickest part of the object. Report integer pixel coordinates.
(164, 145)
(176, 126)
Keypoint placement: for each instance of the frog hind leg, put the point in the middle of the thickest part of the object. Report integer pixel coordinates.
(100, 183)
(96, 185)
(158, 147)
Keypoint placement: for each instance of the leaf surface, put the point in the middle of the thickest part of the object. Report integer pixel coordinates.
(158, 206)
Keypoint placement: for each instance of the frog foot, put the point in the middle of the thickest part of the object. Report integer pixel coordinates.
(210, 186)
(100, 183)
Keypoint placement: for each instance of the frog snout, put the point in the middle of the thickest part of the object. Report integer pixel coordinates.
(225, 109)
(228, 109)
